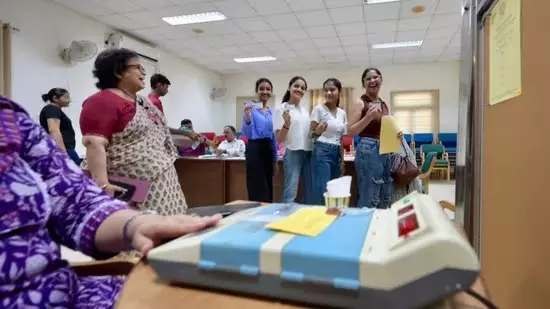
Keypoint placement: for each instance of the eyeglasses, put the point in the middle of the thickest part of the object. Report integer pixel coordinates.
(137, 66)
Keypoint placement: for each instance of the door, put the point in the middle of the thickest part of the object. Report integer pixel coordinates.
(239, 109)
(515, 207)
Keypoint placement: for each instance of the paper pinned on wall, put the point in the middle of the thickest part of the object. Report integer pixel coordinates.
(505, 51)
(389, 142)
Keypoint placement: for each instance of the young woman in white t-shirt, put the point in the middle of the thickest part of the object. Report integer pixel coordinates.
(291, 124)
(328, 126)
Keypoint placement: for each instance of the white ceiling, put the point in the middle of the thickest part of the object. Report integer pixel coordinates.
(302, 34)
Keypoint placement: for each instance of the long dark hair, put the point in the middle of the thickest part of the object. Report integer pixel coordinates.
(53, 93)
(286, 97)
(338, 86)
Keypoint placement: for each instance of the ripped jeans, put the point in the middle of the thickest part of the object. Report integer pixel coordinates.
(373, 170)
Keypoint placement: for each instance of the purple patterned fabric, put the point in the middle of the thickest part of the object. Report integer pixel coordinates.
(45, 201)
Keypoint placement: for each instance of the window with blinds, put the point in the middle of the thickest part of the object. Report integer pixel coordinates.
(416, 111)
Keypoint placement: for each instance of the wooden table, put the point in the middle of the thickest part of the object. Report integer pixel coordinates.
(216, 181)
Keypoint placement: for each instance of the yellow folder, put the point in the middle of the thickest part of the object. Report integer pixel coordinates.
(389, 142)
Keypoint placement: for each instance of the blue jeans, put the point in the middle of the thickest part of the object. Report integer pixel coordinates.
(373, 170)
(296, 165)
(325, 161)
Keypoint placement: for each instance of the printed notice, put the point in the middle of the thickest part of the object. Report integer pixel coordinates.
(505, 51)
(309, 221)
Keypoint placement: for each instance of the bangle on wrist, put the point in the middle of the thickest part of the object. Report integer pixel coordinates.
(104, 186)
(128, 239)
(286, 127)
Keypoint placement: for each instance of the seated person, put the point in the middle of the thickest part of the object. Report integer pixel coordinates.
(47, 201)
(199, 147)
(232, 146)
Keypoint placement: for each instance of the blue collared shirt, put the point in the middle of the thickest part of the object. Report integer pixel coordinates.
(260, 126)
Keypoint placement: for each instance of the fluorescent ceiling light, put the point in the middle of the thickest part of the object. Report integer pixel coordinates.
(397, 44)
(194, 18)
(254, 59)
(378, 1)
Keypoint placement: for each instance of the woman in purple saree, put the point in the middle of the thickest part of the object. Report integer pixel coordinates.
(46, 201)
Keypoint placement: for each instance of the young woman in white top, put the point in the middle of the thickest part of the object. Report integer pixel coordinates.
(291, 123)
(328, 126)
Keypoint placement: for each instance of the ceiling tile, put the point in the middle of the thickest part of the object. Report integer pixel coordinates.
(255, 50)
(241, 38)
(409, 24)
(417, 35)
(335, 58)
(440, 33)
(405, 54)
(433, 51)
(321, 31)
(121, 6)
(331, 51)
(341, 3)
(217, 28)
(449, 6)
(384, 26)
(309, 53)
(283, 21)
(149, 34)
(384, 37)
(231, 50)
(144, 19)
(150, 4)
(382, 11)
(346, 15)
(427, 59)
(119, 21)
(265, 36)
(252, 24)
(327, 42)
(292, 34)
(306, 5)
(177, 10)
(215, 41)
(276, 46)
(174, 33)
(270, 7)
(87, 7)
(353, 40)
(429, 8)
(350, 29)
(356, 49)
(435, 43)
(301, 44)
(285, 54)
(317, 58)
(447, 20)
(235, 8)
(314, 18)
(449, 57)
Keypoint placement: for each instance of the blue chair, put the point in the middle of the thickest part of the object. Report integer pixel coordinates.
(422, 139)
(448, 140)
(408, 139)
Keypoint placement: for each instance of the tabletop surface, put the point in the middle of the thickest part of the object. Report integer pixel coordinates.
(143, 290)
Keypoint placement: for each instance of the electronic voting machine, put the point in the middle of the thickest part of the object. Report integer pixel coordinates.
(406, 256)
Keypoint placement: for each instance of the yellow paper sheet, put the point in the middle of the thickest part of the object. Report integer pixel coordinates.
(310, 221)
(505, 51)
(388, 136)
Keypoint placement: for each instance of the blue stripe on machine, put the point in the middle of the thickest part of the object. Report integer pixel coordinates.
(237, 247)
(328, 249)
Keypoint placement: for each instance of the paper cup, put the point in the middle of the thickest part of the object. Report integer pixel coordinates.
(337, 201)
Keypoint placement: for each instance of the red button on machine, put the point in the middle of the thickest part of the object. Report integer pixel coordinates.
(405, 209)
(407, 225)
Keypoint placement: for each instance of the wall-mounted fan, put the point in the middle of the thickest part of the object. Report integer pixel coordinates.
(217, 93)
(79, 51)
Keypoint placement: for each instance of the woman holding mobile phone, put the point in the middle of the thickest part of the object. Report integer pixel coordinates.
(328, 126)
(261, 151)
(292, 127)
(374, 180)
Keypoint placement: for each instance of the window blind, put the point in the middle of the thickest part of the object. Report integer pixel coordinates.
(416, 111)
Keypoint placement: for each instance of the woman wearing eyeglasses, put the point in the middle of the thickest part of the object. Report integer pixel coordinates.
(126, 135)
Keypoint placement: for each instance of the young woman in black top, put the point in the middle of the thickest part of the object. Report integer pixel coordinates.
(56, 123)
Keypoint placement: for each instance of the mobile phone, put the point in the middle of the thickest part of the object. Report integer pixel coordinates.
(128, 194)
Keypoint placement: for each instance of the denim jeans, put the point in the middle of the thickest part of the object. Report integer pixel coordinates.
(296, 165)
(373, 170)
(325, 161)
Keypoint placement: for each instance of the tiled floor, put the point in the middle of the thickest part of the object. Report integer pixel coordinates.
(438, 190)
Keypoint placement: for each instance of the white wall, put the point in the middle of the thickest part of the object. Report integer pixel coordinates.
(46, 28)
(426, 76)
